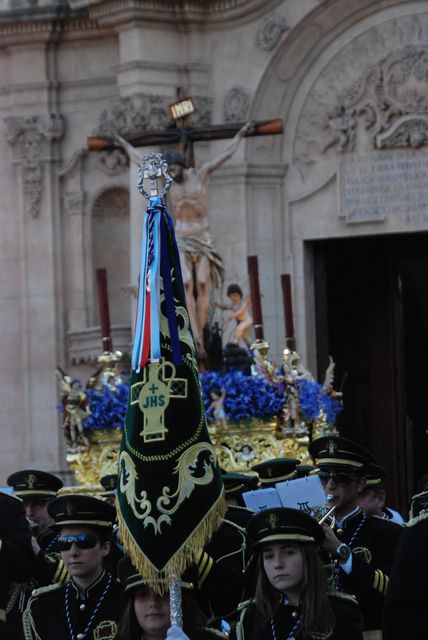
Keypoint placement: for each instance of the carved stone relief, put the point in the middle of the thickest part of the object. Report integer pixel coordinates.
(112, 162)
(236, 105)
(271, 31)
(145, 111)
(31, 137)
(357, 104)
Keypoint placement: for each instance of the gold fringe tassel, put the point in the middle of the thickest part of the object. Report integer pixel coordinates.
(159, 580)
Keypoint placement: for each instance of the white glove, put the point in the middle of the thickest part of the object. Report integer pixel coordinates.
(175, 633)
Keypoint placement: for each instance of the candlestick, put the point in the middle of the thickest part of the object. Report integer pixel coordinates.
(101, 275)
(288, 310)
(253, 276)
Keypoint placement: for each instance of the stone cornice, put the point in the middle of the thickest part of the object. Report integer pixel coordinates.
(27, 29)
(183, 12)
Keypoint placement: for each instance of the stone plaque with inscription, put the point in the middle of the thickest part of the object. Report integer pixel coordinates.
(380, 185)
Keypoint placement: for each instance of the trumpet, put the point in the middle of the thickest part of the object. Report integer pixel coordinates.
(326, 513)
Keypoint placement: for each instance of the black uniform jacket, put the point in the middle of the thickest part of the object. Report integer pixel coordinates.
(16, 554)
(345, 609)
(406, 610)
(373, 548)
(46, 614)
(218, 574)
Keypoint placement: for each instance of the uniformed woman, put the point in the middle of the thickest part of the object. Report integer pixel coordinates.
(88, 607)
(147, 614)
(292, 600)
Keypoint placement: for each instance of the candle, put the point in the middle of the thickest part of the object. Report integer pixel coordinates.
(101, 275)
(253, 276)
(288, 310)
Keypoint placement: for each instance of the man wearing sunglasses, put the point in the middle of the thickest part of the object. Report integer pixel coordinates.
(90, 604)
(362, 546)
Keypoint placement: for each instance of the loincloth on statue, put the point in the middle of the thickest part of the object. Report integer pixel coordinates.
(195, 247)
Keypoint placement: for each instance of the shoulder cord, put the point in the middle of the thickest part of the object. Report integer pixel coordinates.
(91, 619)
(350, 545)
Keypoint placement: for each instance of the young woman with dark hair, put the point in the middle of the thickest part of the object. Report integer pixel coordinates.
(147, 615)
(292, 601)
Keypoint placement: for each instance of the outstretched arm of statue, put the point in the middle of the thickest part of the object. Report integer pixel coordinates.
(134, 155)
(215, 163)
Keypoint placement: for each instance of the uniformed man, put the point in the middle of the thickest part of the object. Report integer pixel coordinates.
(36, 488)
(373, 497)
(109, 484)
(16, 559)
(406, 609)
(88, 606)
(362, 547)
(235, 484)
(276, 470)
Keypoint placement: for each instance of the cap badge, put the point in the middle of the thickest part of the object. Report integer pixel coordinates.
(31, 480)
(69, 509)
(331, 447)
(273, 521)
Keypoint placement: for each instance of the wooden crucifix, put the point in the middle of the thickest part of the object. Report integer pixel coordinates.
(200, 262)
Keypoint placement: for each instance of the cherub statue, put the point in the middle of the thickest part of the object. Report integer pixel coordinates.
(75, 409)
(217, 406)
(239, 312)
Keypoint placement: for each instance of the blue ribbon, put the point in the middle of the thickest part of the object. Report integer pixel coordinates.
(141, 303)
(169, 293)
(158, 233)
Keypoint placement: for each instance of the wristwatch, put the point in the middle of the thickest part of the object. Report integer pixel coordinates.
(343, 552)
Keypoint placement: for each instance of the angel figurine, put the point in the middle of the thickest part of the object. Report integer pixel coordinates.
(239, 312)
(75, 409)
(216, 405)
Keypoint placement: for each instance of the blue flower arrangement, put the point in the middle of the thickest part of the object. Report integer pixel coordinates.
(108, 407)
(246, 396)
(314, 398)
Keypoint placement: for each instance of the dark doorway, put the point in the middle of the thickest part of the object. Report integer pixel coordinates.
(371, 297)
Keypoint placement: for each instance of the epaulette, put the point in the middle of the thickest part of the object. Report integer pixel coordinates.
(423, 515)
(245, 603)
(42, 590)
(341, 595)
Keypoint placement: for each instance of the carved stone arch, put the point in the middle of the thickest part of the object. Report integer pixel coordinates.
(110, 242)
(319, 69)
(335, 79)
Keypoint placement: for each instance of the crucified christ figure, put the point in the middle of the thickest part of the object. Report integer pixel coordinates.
(200, 263)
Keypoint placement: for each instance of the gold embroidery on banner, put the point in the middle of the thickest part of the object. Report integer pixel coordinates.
(153, 396)
(186, 443)
(366, 553)
(105, 630)
(186, 467)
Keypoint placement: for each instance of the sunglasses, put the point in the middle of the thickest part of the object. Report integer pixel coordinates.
(340, 478)
(82, 541)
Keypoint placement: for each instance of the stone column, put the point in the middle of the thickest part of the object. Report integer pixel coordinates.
(31, 330)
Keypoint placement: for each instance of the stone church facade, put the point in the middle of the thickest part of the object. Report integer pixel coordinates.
(349, 81)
